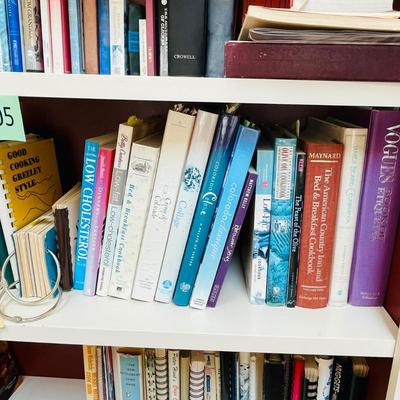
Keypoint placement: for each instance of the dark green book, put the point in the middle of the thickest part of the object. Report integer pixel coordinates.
(3, 256)
(135, 12)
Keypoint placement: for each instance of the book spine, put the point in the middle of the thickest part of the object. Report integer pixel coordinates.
(103, 23)
(233, 237)
(100, 201)
(296, 229)
(110, 372)
(325, 366)
(117, 190)
(217, 361)
(196, 376)
(151, 38)
(46, 35)
(91, 45)
(5, 62)
(15, 35)
(349, 196)
(65, 37)
(184, 372)
(219, 31)
(117, 373)
(135, 13)
(244, 375)
(100, 373)
(252, 377)
(191, 181)
(175, 145)
(161, 363)
(281, 220)
(56, 36)
(162, 9)
(32, 36)
(378, 212)
(187, 37)
(228, 203)
(298, 371)
(324, 162)
(85, 212)
(203, 215)
(151, 391)
(131, 376)
(75, 35)
(139, 186)
(117, 37)
(341, 377)
(90, 365)
(173, 375)
(142, 47)
(210, 377)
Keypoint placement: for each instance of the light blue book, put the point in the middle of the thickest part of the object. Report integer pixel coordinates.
(75, 35)
(281, 216)
(130, 368)
(103, 15)
(92, 147)
(235, 178)
(15, 36)
(220, 155)
(5, 64)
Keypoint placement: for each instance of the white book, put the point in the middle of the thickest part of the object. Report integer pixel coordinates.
(253, 377)
(244, 375)
(56, 36)
(174, 149)
(344, 6)
(354, 139)
(173, 375)
(117, 191)
(142, 47)
(139, 185)
(325, 366)
(218, 387)
(192, 179)
(117, 37)
(210, 378)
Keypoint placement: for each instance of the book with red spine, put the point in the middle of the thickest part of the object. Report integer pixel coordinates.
(324, 163)
(65, 36)
(297, 377)
(151, 36)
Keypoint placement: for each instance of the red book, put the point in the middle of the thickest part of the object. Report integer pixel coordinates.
(297, 378)
(312, 61)
(151, 36)
(65, 36)
(324, 163)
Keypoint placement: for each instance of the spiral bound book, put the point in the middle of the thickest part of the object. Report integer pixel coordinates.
(161, 367)
(196, 376)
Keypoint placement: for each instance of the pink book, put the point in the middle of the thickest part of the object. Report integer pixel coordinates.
(102, 184)
(65, 36)
(151, 37)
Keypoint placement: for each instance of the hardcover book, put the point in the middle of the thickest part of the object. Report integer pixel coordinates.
(324, 163)
(75, 36)
(229, 376)
(187, 37)
(5, 62)
(281, 216)
(100, 201)
(325, 365)
(103, 23)
(219, 158)
(233, 185)
(139, 186)
(151, 38)
(189, 190)
(184, 372)
(91, 44)
(117, 37)
(174, 149)
(15, 34)
(274, 376)
(341, 378)
(379, 211)
(297, 377)
(230, 245)
(244, 375)
(354, 139)
(46, 35)
(255, 243)
(297, 219)
(92, 147)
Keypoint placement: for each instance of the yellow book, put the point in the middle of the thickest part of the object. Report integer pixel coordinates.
(30, 184)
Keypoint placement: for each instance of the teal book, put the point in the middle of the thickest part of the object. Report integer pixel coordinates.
(130, 369)
(3, 256)
(281, 216)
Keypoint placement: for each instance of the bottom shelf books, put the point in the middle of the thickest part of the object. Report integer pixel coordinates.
(158, 374)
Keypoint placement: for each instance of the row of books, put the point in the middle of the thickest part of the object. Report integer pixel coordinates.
(117, 37)
(149, 374)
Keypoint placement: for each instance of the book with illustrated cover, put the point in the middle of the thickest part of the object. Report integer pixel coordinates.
(30, 184)
(75, 36)
(103, 23)
(161, 367)
(100, 201)
(175, 145)
(281, 215)
(220, 155)
(174, 375)
(189, 190)
(196, 375)
(15, 39)
(5, 62)
(229, 199)
(66, 211)
(244, 375)
(325, 365)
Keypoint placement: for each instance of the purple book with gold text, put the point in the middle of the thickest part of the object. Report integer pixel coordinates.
(379, 211)
(247, 193)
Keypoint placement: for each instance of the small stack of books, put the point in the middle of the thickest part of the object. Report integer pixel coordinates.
(147, 374)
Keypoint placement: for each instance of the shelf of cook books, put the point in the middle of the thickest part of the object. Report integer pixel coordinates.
(43, 388)
(252, 91)
(234, 325)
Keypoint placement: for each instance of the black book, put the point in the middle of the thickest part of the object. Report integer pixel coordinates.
(229, 371)
(287, 363)
(341, 378)
(274, 377)
(359, 380)
(296, 227)
(135, 12)
(187, 37)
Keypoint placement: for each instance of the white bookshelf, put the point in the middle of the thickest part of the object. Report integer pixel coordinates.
(41, 388)
(216, 90)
